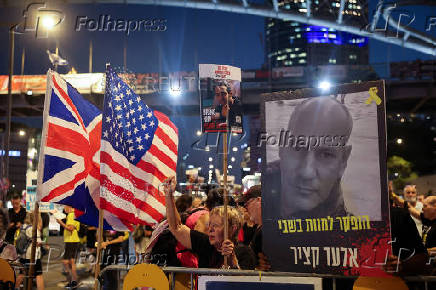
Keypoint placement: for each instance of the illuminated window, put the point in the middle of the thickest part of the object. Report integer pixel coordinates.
(292, 55)
(302, 61)
(302, 54)
(332, 60)
(282, 57)
(353, 56)
(298, 35)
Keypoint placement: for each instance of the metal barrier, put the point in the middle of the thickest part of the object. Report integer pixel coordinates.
(231, 272)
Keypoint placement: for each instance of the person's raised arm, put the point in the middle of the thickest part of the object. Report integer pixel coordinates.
(181, 232)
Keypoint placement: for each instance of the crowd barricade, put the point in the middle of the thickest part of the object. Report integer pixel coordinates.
(193, 272)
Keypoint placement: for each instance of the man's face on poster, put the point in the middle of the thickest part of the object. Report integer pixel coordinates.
(310, 175)
(221, 95)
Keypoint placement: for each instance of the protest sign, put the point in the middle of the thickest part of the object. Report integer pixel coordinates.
(220, 98)
(324, 185)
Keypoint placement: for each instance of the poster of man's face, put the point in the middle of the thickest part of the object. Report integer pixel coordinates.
(323, 168)
(220, 98)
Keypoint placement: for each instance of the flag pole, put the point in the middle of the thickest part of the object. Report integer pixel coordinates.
(226, 198)
(99, 241)
(33, 249)
(100, 223)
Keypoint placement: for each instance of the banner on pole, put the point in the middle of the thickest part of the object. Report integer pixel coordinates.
(220, 96)
(324, 190)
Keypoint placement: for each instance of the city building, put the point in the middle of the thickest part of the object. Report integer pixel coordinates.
(290, 43)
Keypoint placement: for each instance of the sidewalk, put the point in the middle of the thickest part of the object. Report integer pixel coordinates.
(53, 277)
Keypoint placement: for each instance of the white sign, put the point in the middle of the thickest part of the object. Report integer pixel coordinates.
(31, 198)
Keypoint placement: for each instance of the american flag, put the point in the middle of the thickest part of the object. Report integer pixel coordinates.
(138, 152)
(69, 166)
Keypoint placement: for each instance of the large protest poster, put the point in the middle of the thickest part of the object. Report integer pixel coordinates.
(220, 98)
(324, 184)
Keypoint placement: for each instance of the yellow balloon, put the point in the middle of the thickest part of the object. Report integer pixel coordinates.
(379, 283)
(7, 274)
(146, 275)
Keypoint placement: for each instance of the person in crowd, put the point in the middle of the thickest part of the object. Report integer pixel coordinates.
(125, 247)
(112, 248)
(184, 202)
(248, 229)
(411, 196)
(196, 202)
(27, 229)
(141, 237)
(7, 251)
(17, 214)
(410, 256)
(252, 201)
(214, 199)
(211, 248)
(306, 182)
(91, 238)
(45, 217)
(421, 197)
(72, 242)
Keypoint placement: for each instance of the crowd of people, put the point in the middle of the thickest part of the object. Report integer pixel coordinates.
(192, 235)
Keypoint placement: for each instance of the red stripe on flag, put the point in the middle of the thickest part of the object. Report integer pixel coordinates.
(150, 168)
(162, 157)
(128, 196)
(128, 217)
(125, 173)
(69, 101)
(166, 139)
(164, 118)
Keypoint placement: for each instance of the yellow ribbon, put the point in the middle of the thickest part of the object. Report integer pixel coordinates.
(373, 96)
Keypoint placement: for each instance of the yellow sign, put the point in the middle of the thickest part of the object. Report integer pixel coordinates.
(7, 275)
(373, 96)
(146, 275)
(379, 283)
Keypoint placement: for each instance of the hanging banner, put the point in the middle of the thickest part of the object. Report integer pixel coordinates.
(220, 96)
(325, 204)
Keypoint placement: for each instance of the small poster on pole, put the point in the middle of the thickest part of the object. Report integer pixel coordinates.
(220, 98)
(325, 204)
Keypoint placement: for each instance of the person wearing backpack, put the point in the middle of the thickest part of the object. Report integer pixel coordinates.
(24, 249)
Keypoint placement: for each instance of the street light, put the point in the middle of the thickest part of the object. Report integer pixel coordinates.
(324, 85)
(48, 22)
(399, 141)
(22, 132)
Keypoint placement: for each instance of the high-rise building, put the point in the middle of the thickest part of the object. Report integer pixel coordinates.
(290, 43)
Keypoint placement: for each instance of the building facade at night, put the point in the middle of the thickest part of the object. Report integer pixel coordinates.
(290, 43)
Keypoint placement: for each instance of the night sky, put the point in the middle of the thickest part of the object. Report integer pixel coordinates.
(192, 37)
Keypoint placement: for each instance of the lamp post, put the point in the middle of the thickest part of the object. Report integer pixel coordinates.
(7, 138)
(48, 22)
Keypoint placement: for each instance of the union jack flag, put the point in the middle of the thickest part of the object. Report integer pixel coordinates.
(69, 165)
(138, 152)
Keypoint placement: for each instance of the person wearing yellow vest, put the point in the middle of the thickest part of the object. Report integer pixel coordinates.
(72, 241)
